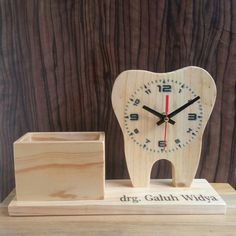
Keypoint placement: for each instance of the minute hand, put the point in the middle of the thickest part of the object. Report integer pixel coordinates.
(179, 109)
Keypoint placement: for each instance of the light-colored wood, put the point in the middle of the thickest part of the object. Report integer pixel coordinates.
(141, 154)
(59, 166)
(116, 225)
(122, 198)
(223, 188)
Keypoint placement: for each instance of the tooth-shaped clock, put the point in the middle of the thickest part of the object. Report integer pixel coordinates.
(163, 116)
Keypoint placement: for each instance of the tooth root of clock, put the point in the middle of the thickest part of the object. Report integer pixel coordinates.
(139, 172)
(184, 168)
(182, 177)
(183, 171)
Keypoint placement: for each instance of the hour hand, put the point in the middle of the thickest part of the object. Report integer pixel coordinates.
(156, 113)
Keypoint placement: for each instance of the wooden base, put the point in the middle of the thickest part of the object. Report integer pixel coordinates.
(121, 198)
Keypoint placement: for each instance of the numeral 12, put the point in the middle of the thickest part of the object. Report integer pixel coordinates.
(166, 88)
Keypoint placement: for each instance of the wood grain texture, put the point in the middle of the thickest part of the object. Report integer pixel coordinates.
(60, 166)
(59, 60)
(122, 199)
(184, 225)
(186, 84)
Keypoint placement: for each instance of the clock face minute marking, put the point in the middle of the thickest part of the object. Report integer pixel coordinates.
(142, 114)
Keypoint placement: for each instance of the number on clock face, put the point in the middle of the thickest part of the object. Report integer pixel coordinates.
(142, 127)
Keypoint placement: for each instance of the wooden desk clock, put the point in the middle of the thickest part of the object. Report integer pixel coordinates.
(162, 116)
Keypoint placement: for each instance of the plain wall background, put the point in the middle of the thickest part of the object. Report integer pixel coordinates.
(59, 60)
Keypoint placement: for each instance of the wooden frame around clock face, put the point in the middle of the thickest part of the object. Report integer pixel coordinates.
(145, 104)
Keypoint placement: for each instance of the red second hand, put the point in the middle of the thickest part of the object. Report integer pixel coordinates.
(166, 118)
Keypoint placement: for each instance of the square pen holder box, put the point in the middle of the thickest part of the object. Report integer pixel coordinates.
(54, 166)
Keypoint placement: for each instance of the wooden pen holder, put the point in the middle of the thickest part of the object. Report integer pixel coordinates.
(52, 166)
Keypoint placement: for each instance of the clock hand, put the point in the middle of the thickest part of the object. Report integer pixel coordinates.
(156, 113)
(179, 110)
(166, 119)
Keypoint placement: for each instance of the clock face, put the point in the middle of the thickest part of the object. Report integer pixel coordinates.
(175, 127)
